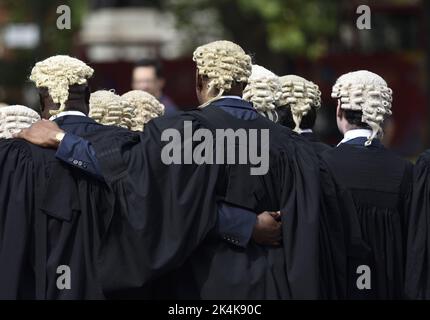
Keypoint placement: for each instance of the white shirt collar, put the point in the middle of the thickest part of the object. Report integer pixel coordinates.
(306, 131)
(67, 113)
(231, 97)
(355, 133)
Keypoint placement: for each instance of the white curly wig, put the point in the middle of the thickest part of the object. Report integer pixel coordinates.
(367, 92)
(224, 63)
(15, 118)
(263, 90)
(56, 74)
(144, 107)
(107, 108)
(300, 95)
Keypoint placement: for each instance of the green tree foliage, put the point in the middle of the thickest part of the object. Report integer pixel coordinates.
(295, 27)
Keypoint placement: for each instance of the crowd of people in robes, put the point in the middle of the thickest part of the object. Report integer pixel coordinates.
(89, 209)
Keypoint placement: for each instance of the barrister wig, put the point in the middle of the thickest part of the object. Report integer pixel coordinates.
(367, 92)
(263, 91)
(107, 108)
(300, 95)
(15, 118)
(56, 74)
(144, 107)
(223, 63)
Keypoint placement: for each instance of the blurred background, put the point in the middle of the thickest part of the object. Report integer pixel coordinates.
(316, 39)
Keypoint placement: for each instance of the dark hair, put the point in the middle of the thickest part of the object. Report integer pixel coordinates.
(77, 93)
(155, 63)
(354, 118)
(285, 118)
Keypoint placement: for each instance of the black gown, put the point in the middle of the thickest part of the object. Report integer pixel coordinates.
(312, 262)
(318, 145)
(54, 215)
(51, 216)
(381, 185)
(417, 275)
(17, 174)
(151, 218)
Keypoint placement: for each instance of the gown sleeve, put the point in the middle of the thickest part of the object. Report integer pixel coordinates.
(417, 284)
(17, 190)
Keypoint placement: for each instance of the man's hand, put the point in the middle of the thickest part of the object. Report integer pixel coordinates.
(267, 230)
(41, 133)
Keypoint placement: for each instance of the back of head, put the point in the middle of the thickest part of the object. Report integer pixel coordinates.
(299, 100)
(144, 107)
(224, 64)
(263, 91)
(15, 118)
(57, 74)
(107, 108)
(367, 95)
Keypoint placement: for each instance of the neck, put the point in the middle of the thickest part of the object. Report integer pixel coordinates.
(348, 127)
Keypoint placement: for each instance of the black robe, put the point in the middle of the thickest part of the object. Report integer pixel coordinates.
(17, 189)
(381, 185)
(317, 144)
(311, 264)
(151, 218)
(52, 215)
(65, 214)
(417, 275)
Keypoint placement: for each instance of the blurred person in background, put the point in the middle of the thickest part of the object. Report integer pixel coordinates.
(148, 76)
